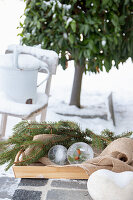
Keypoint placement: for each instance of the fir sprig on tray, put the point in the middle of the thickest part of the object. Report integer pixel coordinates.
(64, 132)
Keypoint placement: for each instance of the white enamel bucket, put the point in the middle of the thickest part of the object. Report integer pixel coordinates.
(20, 84)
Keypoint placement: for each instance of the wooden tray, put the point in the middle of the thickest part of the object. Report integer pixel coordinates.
(49, 171)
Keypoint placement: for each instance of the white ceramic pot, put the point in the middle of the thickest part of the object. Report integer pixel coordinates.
(18, 84)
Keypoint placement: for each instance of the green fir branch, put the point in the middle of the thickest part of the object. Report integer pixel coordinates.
(64, 133)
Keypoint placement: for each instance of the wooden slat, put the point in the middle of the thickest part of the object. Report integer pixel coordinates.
(3, 125)
(54, 172)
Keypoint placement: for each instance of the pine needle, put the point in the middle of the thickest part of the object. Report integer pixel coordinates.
(64, 133)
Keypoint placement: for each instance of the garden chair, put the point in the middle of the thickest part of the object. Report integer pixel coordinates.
(8, 107)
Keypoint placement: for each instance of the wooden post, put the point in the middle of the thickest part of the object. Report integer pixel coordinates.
(3, 125)
(111, 108)
(47, 91)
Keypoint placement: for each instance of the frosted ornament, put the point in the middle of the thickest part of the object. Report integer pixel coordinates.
(79, 152)
(58, 154)
(107, 185)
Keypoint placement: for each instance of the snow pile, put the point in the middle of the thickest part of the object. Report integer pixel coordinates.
(47, 56)
(95, 89)
(9, 106)
(4, 173)
(91, 111)
(26, 62)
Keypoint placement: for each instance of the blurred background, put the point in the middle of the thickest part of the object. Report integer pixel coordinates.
(95, 87)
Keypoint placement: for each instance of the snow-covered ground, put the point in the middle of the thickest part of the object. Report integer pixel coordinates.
(95, 88)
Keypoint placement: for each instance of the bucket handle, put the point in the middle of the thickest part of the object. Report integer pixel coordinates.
(47, 77)
(15, 65)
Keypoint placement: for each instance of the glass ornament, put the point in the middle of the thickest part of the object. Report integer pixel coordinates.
(79, 152)
(58, 154)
